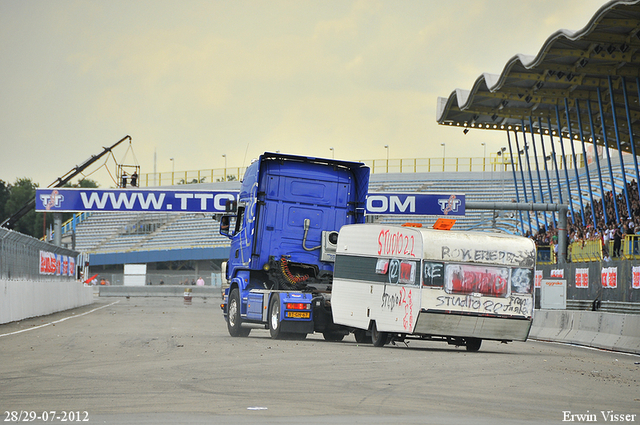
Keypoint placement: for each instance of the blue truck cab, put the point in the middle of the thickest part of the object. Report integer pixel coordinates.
(283, 230)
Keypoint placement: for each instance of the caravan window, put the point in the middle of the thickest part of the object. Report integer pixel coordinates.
(521, 281)
(379, 270)
(433, 274)
(476, 279)
(402, 272)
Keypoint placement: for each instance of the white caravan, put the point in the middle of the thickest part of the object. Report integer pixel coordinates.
(397, 282)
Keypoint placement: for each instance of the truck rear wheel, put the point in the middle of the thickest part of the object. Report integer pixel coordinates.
(234, 322)
(274, 317)
(379, 339)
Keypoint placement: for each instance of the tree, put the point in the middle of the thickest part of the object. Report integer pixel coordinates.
(14, 197)
(83, 183)
(86, 183)
(20, 193)
(5, 192)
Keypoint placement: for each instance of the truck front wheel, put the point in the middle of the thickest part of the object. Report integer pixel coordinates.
(233, 317)
(274, 317)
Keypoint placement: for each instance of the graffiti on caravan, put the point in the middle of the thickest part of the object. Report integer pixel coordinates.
(521, 258)
(182, 201)
(416, 203)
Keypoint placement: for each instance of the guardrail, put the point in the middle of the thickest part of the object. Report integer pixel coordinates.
(617, 332)
(606, 306)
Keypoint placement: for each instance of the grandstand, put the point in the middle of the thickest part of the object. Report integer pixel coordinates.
(117, 232)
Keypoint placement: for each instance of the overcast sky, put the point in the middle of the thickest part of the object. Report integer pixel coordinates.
(194, 80)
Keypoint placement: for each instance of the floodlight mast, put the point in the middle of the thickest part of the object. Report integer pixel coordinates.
(59, 182)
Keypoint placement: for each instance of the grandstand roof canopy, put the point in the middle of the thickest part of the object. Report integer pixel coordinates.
(572, 71)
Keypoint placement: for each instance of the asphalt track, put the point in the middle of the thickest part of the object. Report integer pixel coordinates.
(159, 361)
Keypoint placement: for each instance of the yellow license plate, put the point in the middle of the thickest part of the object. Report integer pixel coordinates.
(298, 314)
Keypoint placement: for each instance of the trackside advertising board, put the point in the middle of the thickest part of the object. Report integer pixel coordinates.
(415, 203)
(182, 201)
(203, 201)
(57, 264)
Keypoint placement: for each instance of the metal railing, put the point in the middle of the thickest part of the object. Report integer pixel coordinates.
(185, 278)
(605, 306)
(631, 247)
(493, 163)
(209, 175)
(593, 250)
(586, 251)
(545, 254)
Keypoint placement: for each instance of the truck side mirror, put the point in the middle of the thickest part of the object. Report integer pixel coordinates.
(231, 206)
(227, 223)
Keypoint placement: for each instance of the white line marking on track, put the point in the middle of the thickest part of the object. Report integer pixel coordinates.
(58, 321)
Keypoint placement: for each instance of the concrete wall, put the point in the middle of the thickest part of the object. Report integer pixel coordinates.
(611, 331)
(20, 299)
(158, 291)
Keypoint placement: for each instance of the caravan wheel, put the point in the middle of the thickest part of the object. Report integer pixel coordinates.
(379, 339)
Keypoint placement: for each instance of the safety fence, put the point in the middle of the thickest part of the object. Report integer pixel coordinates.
(596, 281)
(593, 250)
(27, 258)
(492, 163)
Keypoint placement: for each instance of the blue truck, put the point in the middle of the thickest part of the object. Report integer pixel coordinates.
(283, 230)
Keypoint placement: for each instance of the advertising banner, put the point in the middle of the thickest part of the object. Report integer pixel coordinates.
(582, 278)
(635, 283)
(57, 264)
(201, 201)
(538, 278)
(48, 263)
(416, 204)
(557, 273)
(609, 277)
(169, 200)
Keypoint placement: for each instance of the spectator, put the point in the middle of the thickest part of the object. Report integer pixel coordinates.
(617, 241)
(605, 228)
